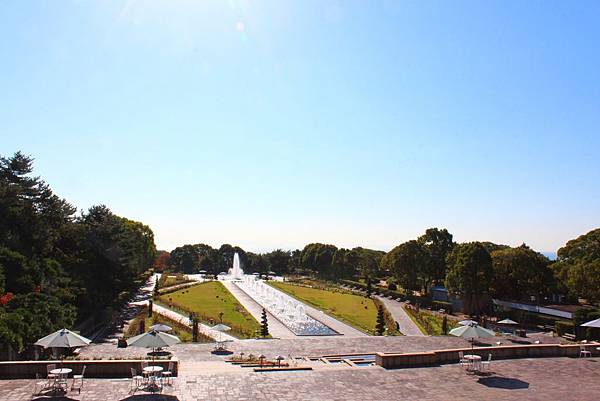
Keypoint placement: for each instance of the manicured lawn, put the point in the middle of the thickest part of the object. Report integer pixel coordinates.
(355, 310)
(428, 322)
(208, 300)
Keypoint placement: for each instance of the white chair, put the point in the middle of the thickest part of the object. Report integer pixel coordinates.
(78, 380)
(584, 352)
(461, 359)
(49, 368)
(136, 380)
(168, 374)
(487, 363)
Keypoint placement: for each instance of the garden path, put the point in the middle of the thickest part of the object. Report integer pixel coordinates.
(407, 326)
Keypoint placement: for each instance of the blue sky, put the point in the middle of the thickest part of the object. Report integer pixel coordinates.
(272, 124)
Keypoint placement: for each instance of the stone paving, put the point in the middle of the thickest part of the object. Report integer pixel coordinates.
(525, 379)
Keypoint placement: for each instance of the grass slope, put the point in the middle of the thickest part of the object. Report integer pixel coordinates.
(356, 310)
(208, 300)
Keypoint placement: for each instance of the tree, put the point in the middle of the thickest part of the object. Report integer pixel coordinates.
(445, 325)
(318, 258)
(278, 261)
(162, 261)
(577, 267)
(520, 273)
(264, 324)
(406, 262)
(438, 244)
(380, 327)
(470, 274)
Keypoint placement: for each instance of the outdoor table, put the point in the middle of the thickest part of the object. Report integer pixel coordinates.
(473, 361)
(152, 372)
(61, 378)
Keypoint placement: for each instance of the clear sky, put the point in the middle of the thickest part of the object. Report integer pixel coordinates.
(272, 124)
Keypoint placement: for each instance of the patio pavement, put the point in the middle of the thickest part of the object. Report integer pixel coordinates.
(524, 379)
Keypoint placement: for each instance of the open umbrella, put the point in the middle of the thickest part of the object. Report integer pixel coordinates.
(472, 332)
(592, 323)
(153, 339)
(507, 321)
(221, 328)
(161, 327)
(63, 338)
(467, 322)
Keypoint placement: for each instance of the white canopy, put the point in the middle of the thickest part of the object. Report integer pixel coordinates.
(63, 338)
(471, 332)
(507, 321)
(467, 322)
(221, 327)
(161, 327)
(153, 339)
(592, 323)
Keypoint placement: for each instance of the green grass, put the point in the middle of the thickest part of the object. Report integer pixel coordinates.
(208, 300)
(429, 323)
(356, 310)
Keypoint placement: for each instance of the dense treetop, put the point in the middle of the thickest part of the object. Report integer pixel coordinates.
(59, 268)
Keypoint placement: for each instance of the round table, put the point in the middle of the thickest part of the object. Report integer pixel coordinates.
(474, 360)
(61, 371)
(152, 371)
(61, 379)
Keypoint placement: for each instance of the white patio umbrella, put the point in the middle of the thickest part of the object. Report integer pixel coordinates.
(153, 339)
(472, 332)
(63, 338)
(592, 323)
(467, 322)
(161, 327)
(221, 328)
(507, 321)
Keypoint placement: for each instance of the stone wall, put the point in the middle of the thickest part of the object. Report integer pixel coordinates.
(439, 357)
(94, 368)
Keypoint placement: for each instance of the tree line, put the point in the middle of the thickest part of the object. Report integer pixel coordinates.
(58, 267)
(474, 271)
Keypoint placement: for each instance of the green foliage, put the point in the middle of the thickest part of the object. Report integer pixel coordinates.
(445, 325)
(470, 274)
(520, 273)
(437, 244)
(405, 262)
(61, 267)
(380, 326)
(578, 266)
(327, 261)
(431, 323)
(264, 324)
(562, 327)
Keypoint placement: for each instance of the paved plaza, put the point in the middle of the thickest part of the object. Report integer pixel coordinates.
(526, 379)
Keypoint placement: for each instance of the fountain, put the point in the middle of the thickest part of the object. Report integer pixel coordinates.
(286, 309)
(236, 272)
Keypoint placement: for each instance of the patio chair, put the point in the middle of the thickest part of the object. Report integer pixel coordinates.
(136, 380)
(168, 374)
(584, 352)
(41, 384)
(487, 363)
(78, 380)
(49, 368)
(461, 359)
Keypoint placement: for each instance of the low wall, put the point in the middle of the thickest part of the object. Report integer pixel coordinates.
(94, 368)
(438, 357)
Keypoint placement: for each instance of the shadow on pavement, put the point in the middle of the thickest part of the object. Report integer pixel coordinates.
(503, 382)
(151, 397)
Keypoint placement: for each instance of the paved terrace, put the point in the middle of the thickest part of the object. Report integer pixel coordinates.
(534, 379)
